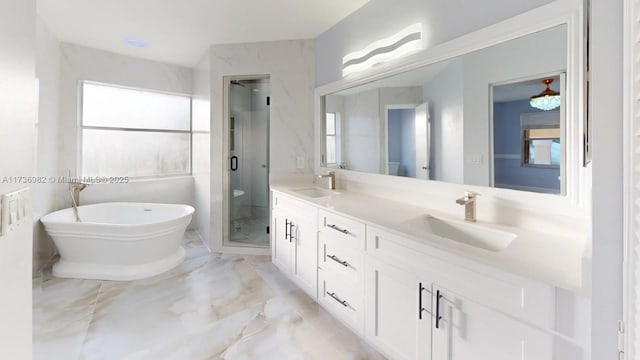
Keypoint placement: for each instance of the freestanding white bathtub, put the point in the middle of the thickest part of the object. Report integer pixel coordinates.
(118, 241)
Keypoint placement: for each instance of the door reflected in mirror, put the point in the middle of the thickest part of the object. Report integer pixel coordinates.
(527, 141)
(408, 140)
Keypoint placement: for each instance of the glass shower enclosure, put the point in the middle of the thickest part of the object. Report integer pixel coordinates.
(248, 161)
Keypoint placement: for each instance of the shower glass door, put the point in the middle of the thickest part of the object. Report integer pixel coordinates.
(248, 190)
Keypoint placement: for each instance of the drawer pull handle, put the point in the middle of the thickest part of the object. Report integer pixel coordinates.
(286, 229)
(420, 308)
(336, 259)
(291, 228)
(334, 227)
(334, 297)
(438, 317)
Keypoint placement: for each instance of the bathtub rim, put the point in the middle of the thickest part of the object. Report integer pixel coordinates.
(47, 222)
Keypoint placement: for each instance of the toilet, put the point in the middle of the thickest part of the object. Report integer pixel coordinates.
(394, 168)
(235, 204)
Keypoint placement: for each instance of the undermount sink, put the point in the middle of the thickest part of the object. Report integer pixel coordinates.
(314, 192)
(464, 232)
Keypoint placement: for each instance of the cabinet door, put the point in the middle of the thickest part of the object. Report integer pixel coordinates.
(467, 330)
(281, 245)
(396, 320)
(304, 234)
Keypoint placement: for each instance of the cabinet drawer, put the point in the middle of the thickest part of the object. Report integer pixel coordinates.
(349, 232)
(519, 297)
(343, 300)
(345, 261)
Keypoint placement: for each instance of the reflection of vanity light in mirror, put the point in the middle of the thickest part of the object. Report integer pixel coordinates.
(546, 100)
(407, 41)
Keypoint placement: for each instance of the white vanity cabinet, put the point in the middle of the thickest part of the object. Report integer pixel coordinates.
(468, 330)
(413, 300)
(341, 268)
(422, 307)
(398, 311)
(295, 241)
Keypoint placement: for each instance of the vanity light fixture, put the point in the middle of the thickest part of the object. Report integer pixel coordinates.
(546, 100)
(407, 41)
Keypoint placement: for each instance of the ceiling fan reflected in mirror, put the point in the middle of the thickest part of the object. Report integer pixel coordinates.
(546, 100)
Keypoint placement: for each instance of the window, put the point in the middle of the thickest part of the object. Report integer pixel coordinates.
(331, 123)
(541, 147)
(134, 133)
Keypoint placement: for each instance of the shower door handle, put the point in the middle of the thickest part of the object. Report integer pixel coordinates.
(234, 163)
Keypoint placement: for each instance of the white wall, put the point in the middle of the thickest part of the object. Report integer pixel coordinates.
(441, 20)
(44, 197)
(82, 63)
(291, 67)
(444, 93)
(606, 119)
(361, 124)
(17, 135)
(201, 125)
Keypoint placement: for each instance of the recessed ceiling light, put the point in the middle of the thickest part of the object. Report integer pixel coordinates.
(256, 90)
(136, 43)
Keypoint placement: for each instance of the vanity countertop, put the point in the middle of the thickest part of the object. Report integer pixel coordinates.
(555, 259)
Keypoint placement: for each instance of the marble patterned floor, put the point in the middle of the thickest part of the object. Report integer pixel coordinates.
(212, 306)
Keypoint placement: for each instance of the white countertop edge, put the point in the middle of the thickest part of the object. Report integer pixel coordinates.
(560, 260)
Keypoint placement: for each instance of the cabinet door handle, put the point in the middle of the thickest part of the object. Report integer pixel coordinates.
(336, 259)
(334, 227)
(291, 237)
(438, 317)
(286, 229)
(334, 297)
(420, 308)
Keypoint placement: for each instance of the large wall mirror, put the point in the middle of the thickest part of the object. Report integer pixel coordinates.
(492, 117)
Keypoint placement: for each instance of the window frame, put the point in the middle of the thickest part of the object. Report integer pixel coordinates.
(80, 127)
(334, 135)
(525, 142)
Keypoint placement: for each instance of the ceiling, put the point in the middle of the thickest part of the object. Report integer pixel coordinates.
(179, 31)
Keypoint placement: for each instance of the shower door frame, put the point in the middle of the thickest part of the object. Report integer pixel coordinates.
(227, 245)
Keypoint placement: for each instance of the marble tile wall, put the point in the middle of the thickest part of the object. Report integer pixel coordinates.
(82, 63)
(290, 65)
(201, 145)
(212, 306)
(48, 75)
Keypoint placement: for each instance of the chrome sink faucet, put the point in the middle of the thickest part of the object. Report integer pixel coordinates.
(469, 202)
(332, 179)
